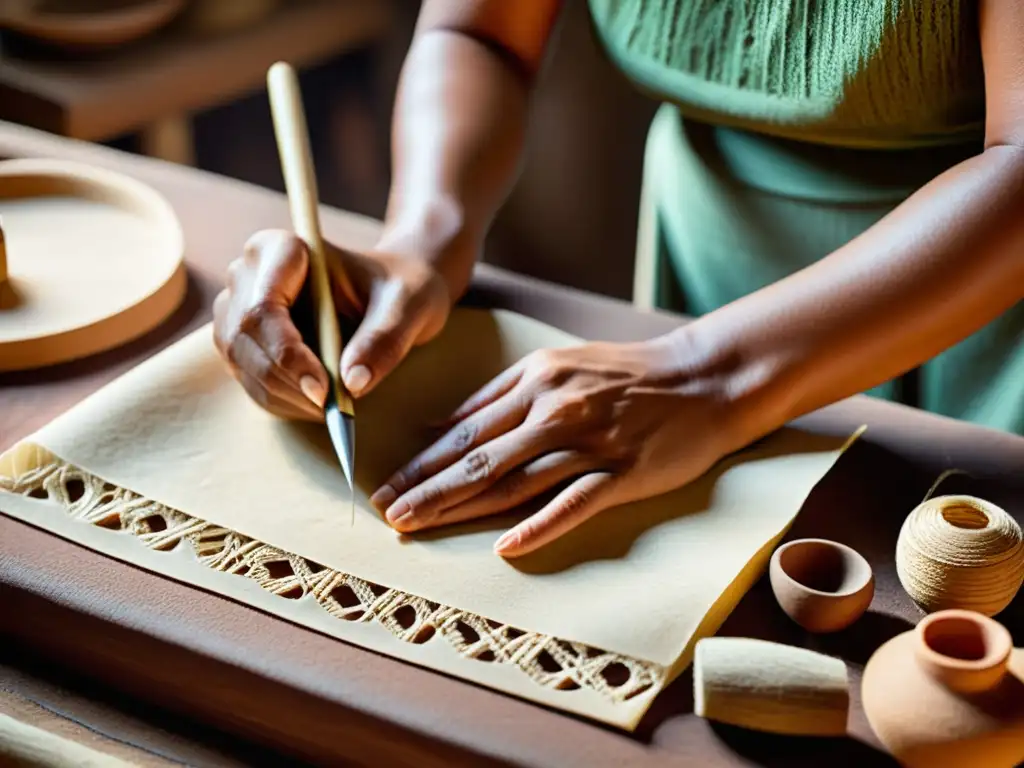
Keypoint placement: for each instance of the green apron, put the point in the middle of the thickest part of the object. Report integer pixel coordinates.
(788, 128)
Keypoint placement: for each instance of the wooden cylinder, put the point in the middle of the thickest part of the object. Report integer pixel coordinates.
(770, 687)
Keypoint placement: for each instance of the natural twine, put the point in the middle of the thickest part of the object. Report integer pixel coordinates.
(962, 552)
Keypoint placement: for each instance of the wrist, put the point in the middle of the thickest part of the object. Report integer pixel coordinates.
(435, 232)
(749, 388)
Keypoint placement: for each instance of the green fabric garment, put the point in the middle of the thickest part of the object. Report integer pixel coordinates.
(876, 73)
(789, 127)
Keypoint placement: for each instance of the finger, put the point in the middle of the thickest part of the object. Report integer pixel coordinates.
(293, 362)
(477, 471)
(383, 338)
(221, 305)
(262, 286)
(518, 487)
(487, 394)
(282, 266)
(582, 500)
(271, 402)
(251, 360)
(281, 262)
(482, 427)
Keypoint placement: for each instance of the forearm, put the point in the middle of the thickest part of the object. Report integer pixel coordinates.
(943, 264)
(457, 141)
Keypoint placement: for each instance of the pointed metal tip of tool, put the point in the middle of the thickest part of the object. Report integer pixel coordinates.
(342, 429)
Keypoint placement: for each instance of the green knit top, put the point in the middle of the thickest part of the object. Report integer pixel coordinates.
(854, 73)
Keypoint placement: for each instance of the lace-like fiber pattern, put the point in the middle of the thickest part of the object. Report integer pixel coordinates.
(549, 662)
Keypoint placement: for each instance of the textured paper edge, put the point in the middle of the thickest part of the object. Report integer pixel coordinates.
(181, 565)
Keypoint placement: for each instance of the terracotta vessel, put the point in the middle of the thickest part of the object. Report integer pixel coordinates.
(824, 586)
(948, 693)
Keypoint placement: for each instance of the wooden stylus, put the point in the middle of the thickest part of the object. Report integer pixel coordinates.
(300, 181)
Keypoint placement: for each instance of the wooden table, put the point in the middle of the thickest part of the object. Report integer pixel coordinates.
(179, 672)
(151, 86)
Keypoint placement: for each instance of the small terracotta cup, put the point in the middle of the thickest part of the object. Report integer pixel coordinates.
(824, 586)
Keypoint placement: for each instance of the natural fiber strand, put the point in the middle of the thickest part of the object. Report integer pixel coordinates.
(960, 552)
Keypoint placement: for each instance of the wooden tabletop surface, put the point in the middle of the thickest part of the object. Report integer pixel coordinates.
(273, 683)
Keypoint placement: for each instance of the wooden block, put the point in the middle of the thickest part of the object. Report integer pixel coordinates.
(770, 687)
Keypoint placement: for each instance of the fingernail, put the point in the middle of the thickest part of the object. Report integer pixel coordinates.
(383, 497)
(396, 513)
(313, 389)
(507, 541)
(357, 379)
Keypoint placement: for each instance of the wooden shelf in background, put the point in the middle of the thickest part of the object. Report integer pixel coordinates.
(152, 84)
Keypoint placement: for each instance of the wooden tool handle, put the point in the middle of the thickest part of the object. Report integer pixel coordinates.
(33, 747)
(300, 181)
(3, 255)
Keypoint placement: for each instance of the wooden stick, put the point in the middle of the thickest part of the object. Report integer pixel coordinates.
(300, 182)
(3, 255)
(32, 747)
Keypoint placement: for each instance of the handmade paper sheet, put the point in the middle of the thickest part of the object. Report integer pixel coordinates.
(244, 497)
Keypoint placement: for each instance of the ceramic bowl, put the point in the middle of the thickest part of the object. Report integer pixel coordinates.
(824, 586)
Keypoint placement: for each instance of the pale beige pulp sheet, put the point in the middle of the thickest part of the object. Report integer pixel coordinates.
(638, 581)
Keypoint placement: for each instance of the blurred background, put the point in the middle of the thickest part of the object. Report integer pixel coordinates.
(183, 80)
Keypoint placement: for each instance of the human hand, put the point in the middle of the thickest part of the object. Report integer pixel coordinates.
(608, 423)
(404, 302)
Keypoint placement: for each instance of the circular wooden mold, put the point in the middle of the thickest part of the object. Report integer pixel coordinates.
(86, 24)
(93, 260)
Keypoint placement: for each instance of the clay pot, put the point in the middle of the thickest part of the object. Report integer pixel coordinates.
(948, 693)
(960, 552)
(822, 585)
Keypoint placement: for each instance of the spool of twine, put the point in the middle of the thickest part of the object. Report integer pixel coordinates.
(960, 552)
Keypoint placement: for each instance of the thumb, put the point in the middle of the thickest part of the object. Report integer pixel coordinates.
(383, 339)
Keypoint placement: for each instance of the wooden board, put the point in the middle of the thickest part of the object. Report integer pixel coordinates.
(179, 70)
(94, 260)
(82, 25)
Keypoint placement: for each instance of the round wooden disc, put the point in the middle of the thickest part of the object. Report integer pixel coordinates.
(94, 260)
